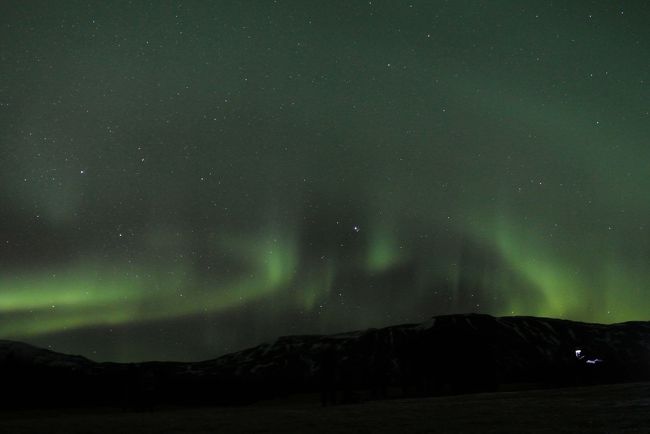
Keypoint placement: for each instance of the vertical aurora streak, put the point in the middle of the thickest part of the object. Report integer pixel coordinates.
(184, 180)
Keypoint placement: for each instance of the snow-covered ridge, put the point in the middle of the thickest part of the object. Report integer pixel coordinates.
(447, 354)
(19, 353)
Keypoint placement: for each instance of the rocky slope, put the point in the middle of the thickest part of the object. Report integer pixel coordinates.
(447, 354)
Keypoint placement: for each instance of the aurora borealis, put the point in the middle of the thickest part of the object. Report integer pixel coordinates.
(183, 179)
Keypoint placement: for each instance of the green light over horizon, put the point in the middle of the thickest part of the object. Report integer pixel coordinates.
(178, 182)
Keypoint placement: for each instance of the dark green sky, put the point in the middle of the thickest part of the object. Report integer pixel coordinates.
(183, 179)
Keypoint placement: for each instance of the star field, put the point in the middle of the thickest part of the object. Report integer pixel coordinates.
(183, 179)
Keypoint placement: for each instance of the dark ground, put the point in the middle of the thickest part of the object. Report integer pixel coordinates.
(622, 408)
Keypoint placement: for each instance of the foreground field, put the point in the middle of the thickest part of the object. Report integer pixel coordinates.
(599, 409)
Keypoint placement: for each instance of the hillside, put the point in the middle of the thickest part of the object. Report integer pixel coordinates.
(447, 355)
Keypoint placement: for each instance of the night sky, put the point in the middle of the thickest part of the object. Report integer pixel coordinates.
(179, 180)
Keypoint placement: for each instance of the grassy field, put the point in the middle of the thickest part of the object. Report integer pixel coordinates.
(612, 409)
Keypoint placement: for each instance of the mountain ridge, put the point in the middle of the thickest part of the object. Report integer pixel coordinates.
(446, 354)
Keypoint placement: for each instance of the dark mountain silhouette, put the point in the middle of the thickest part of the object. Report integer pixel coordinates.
(449, 354)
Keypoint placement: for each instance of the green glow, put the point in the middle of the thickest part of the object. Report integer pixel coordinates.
(383, 251)
(72, 298)
(278, 262)
(566, 284)
(161, 170)
(38, 291)
(315, 287)
(78, 297)
(561, 290)
(271, 256)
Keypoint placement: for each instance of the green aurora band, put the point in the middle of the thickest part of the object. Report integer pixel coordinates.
(182, 182)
